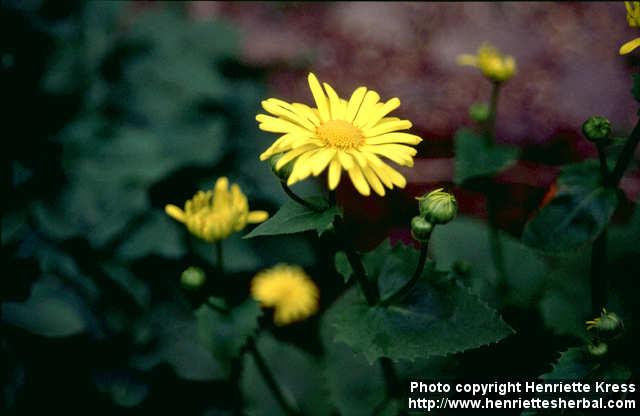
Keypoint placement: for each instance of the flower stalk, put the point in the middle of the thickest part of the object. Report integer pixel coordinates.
(406, 289)
(270, 380)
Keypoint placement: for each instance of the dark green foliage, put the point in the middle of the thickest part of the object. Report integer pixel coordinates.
(437, 318)
(476, 157)
(293, 218)
(577, 214)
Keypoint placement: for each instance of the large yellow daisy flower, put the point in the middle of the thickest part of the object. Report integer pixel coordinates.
(289, 290)
(352, 135)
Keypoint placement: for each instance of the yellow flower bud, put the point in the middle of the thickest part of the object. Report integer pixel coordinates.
(215, 215)
(493, 64)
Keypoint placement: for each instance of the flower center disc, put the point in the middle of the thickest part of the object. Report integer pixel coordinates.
(341, 134)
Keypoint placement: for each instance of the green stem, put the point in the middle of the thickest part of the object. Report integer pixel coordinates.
(391, 377)
(604, 169)
(269, 379)
(597, 274)
(298, 199)
(493, 112)
(219, 257)
(625, 157)
(368, 289)
(495, 244)
(406, 289)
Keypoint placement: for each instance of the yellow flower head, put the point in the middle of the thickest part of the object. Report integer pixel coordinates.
(633, 18)
(287, 289)
(215, 215)
(493, 65)
(607, 321)
(340, 134)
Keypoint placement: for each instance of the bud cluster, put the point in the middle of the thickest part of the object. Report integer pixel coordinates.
(436, 207)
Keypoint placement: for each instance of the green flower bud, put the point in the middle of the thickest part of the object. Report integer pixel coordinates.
(193, 278)
(597, 129)
(282, 173)
(598, 349)
(438, 207)
(421, 229)
(479, 112)
(606, 322)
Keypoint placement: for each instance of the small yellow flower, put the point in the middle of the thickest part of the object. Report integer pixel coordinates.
(340, 134)
(493, 65)
(215, 215)
(633, 18)
(287, 289)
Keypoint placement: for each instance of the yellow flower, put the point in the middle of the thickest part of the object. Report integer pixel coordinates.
(215, 215)
(493, 65)
(607, 321)
(287, 289)
(633, 18)
(340, 134)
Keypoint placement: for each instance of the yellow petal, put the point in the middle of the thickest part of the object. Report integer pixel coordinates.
(387, 127)
(466, 59)
(345, 159)
(321, 160)
(175, 212)
(337, 112)
(629, 46)
(334, 174)
(278, 125)
(257, 216)
(385, 109)
(395, 137)
(373, 180)
(369, 102)
(359, 181)
(319, 97)
(289, 156)
(286, 111)
(306, 111)
(354, 103)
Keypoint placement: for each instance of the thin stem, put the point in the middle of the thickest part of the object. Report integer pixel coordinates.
(493, 112)
(288, 408)
(390, 377)
(406, 289)
(298, 199)
(495, 244)
(604, 169)
(625, 157)
(368, 289)
(219, 257)
(598, 281)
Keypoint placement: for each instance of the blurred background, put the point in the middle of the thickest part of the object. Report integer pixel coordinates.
(118, 108)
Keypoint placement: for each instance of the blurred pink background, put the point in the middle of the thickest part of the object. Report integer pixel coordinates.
(568, 70)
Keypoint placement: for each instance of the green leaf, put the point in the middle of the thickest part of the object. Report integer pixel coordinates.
(475, 157)
(124, 389)
(296, 373)
(49, 312)
(435, 319)
(294, 218)
(159, 235)
(224, 335)
(469, 240)
(577, 364)
(342, 265)
(177, 344)
(579, 212)
(129, 283)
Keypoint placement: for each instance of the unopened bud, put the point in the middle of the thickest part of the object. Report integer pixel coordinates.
(606, 322)
(597, 129)
(598, 349)
(421, 229)
(438, 207)
(284, 171)
(193, 278)
(479, 112)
